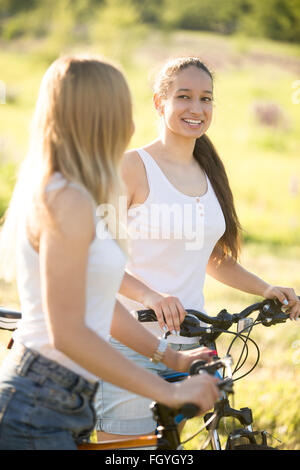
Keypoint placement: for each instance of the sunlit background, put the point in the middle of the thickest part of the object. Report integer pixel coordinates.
(253, 49)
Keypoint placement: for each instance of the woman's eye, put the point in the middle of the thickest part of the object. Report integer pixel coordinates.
(183, 96)
(207, 99)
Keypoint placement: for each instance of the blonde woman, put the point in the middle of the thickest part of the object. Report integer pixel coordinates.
(67, 276)
(180, 169)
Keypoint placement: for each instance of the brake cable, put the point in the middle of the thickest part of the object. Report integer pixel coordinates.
(200, 430)
(245, 339)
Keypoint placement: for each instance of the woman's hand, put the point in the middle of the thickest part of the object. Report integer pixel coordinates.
(201, 390)
(287, 297)
(184, 359)
(168, 309)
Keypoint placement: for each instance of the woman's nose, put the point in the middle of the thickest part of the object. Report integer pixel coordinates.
(196, 107)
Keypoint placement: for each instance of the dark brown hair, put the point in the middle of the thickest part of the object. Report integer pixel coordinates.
(208, 158)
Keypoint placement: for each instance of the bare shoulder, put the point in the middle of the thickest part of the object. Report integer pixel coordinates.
(71, 210)
(132, 165)
(135, 177)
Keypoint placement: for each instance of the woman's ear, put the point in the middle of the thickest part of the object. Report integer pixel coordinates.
(158, 103)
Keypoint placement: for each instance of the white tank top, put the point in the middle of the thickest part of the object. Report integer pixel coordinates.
(105, 269)
(170, 253)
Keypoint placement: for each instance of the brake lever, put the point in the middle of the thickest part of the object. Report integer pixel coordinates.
(191, 327)
(271, 313)
(211, 368)
(223, 320)
(200, 367)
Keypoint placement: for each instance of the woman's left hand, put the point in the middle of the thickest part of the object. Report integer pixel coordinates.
(184, 359)
(287, 297)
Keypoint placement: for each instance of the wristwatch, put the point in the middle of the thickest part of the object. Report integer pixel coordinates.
(159, 353)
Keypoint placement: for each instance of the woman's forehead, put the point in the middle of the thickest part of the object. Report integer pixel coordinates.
(192, 78)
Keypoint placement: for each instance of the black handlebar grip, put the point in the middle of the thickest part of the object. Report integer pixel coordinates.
(189, 410)
(11, 314)
(196, 367)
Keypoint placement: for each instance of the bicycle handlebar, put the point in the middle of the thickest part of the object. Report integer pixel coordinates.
(270, 313)
(9, 319)
(188, 410)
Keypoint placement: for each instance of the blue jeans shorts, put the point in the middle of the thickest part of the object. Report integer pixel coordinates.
(43, 405)
(122, 412)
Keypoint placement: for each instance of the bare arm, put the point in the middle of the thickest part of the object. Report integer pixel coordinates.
(168, 309)
(63, 263)
(232, 274)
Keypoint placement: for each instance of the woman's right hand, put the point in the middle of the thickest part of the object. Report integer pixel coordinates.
(168, 309)
(201, 390)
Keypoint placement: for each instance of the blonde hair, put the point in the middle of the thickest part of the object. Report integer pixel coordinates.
(81, 127)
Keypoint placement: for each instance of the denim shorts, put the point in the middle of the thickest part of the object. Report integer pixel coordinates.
(122, 412)
(43, 405)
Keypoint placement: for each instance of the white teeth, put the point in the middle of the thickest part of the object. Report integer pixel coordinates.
(191, 121)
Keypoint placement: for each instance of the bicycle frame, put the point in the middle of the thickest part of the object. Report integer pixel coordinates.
(222, 410)
(136, 443)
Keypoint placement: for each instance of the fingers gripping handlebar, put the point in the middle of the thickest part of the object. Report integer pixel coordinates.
(169, 418)
(270, 313)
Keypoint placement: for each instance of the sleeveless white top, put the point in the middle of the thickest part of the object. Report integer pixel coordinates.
(105, 270)
(171, 237)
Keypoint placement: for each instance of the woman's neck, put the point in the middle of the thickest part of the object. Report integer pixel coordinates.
(176, 148)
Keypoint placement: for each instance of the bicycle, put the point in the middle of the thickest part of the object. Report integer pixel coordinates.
(270, 313)
(168, 419)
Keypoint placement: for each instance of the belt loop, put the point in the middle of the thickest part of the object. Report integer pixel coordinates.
(83, 386)
(95, 387)
(79, 385)
(25, 361)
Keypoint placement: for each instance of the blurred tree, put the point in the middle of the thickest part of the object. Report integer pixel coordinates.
(116, 29)
(149, 10)
(10, 7)
(275, 19)
(210, 15)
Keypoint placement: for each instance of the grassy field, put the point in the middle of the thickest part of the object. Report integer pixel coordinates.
(256, 130)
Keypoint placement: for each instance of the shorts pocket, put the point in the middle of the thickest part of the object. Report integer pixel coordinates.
(61, 400)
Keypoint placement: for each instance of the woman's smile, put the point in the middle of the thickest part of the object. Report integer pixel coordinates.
(193, 123)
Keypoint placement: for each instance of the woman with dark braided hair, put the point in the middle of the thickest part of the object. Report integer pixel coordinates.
(170, 255)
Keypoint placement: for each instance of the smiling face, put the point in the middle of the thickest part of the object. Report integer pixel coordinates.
(187, 107)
